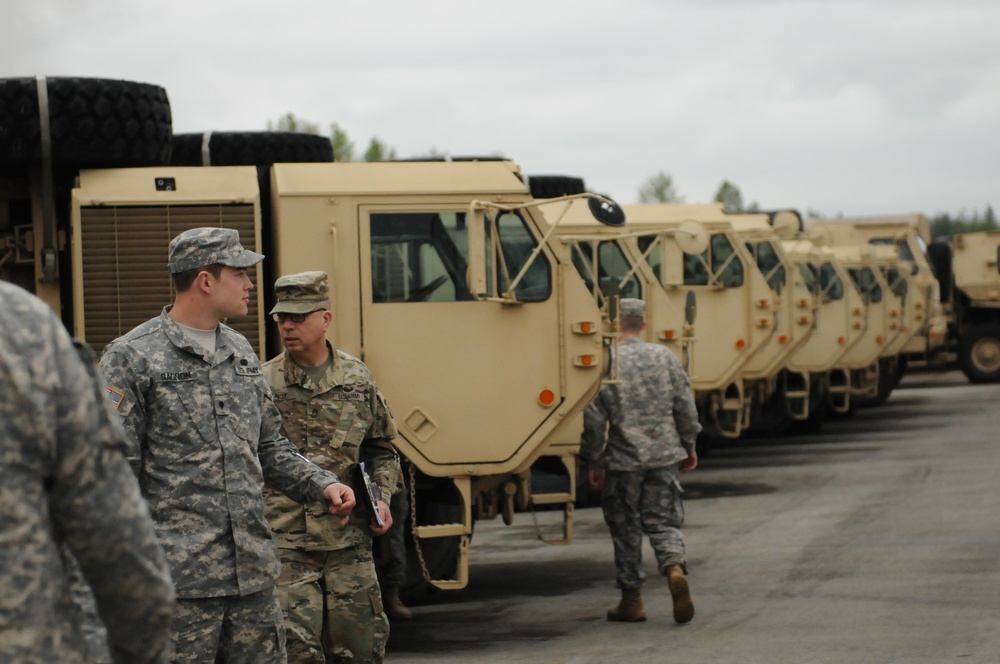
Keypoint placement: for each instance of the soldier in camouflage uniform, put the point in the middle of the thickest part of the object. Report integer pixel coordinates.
(334, 413)
(66, 482)
(205, 437)
(639, 435)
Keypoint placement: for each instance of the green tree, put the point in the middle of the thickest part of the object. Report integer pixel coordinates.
(289, 122)
(343, 147)
(659, 189)
(379, 151)
(732, 199)
(945, 225)
(730, 196)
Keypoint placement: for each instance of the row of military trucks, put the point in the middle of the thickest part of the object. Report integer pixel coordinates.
(483, 299)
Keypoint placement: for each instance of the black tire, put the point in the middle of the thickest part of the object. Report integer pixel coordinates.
(772, 419)
(887, 381)
(979, 353)
(251, 148)
(553, 186)
(93, 123)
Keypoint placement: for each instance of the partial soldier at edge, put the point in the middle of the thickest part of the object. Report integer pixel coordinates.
(65, 476)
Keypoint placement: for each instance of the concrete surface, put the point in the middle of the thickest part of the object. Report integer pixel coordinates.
(875, 540)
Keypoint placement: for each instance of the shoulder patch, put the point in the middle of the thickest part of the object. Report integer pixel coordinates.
(116, 397)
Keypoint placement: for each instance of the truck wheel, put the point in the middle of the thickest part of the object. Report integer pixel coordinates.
(93, 123)
(554, 186)
(979, 353)
(888, 378)
(250, 148)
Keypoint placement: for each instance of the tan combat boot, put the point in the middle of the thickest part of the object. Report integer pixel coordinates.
(394, 607)
(630, 609)
(679, 591)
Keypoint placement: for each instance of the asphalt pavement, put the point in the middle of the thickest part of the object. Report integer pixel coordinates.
(875, 540)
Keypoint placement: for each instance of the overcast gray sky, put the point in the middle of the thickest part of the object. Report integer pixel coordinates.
(850, 107)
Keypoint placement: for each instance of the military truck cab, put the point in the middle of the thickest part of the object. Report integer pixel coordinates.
(969, 271)
(446, 280)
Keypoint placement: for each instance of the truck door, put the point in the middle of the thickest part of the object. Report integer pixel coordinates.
(470, 382)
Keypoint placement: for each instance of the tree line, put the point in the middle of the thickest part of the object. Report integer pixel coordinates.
(659, 188)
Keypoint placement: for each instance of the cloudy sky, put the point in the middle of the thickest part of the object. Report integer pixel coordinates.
(839, 107)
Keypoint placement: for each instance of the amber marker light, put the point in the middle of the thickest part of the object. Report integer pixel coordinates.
(857, 325)
(762, 303)
(585, 360)
(667, 335)
(546, 398)
(740, 344)
(804, 320)
(878, 339)
(584, 327)
(856, 311)
(841, 340)
(763, 322)
(783, 339)
(803, 303)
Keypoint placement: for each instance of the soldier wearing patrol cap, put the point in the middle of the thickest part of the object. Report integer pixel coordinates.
(639, 436)
(334, 413)
(205, 437)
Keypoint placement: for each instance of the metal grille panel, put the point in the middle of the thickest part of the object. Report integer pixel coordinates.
(124, 267)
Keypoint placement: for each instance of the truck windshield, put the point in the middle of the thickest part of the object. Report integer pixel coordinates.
(830, 283)
(866, 282)
(606, 265)
(769, 263)
(423, 257)
(718, 264)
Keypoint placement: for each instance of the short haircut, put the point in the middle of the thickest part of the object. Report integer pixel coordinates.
(631, 323)
(184, 280)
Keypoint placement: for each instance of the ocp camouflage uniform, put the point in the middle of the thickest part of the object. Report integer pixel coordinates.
(65, 485)
(650, 422)
(205, 438)
(327, 569)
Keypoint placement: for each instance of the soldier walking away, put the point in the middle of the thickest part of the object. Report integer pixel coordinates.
(335, 415)
(639, 436)
(205, 437)
(67, 485)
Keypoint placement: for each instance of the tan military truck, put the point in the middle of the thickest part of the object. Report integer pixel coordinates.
(446, 280)
(909, 235)
(781, 386)
(969, 271)
(838, 326)
(654, 261)
(865, 358)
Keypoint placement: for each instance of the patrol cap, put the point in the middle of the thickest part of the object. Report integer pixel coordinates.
(301, 293)
(632, 308)
(200, 247)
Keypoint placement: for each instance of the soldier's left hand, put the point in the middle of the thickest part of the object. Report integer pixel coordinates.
(383, 511)
(341, 500)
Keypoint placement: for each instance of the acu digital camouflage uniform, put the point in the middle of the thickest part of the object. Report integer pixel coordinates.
(65, 484)
(205, 436)
(649, 422)
(328, 584)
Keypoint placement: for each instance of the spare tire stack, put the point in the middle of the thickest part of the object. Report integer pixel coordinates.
(92, 123)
